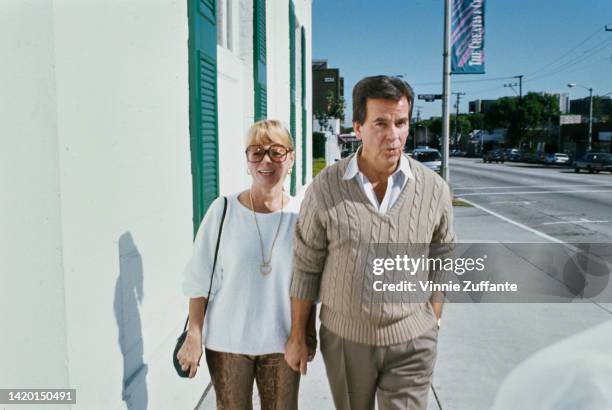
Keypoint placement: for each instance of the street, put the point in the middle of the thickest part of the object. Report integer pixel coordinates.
(553, 200)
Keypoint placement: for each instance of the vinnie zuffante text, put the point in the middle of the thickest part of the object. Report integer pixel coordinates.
(458, 266)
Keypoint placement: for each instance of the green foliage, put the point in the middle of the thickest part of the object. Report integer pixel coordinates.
(318, 145)
(335, 107)
(317, 165)
(528, 116)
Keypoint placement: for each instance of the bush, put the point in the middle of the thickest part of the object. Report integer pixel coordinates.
(318, 145)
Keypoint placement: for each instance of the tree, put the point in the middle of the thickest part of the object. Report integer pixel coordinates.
(335, 106)
(526, 118)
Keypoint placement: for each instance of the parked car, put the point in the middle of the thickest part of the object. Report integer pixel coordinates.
(430, 157)
(526, 157)
(558, 158)
(458, 153)
(494, 155)
(514, 155)
(594, 162)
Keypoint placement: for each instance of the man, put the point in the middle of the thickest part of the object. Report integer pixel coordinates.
(372, 349)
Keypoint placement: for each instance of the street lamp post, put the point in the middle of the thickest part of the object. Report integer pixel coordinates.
(590, 90)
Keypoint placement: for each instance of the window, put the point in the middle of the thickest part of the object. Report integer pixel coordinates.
(225, 24)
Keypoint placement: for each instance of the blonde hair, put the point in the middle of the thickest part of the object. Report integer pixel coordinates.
(269, 132)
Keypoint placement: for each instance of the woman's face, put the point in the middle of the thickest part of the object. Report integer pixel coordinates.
(269, 164)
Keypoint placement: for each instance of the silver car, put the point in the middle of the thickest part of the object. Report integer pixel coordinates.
(430, 157)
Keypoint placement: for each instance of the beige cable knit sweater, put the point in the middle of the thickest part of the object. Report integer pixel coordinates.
(337, 224)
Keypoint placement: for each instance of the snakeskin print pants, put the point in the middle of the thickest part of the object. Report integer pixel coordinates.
(233, 375)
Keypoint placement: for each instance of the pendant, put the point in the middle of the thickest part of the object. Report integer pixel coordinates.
(265, 268)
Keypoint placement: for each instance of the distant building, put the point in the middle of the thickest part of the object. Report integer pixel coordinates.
(601, 106)
(480, 106)
(325, 80)
(564, 102)
(562, 98)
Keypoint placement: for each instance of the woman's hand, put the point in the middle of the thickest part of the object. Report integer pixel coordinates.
(190, 353)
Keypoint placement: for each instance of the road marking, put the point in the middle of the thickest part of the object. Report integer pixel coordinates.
(511, 203)
(579, 221)
(515, 223)
(533, 186)
(531, 192)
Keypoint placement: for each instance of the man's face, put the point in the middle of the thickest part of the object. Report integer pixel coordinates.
(384, 131)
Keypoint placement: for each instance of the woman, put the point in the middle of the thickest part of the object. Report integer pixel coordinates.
(249, 316)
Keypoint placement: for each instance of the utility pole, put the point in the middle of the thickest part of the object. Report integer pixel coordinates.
(590, 90)
(589, 146)
(446, 90)
(418, 121)
(512, 85)
(520, 77)
(458, 94)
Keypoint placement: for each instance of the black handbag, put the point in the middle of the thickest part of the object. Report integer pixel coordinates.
(181, 338)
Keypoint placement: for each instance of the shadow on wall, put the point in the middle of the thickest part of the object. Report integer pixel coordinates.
(128, 296)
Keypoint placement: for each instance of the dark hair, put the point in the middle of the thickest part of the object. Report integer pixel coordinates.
(379, 86)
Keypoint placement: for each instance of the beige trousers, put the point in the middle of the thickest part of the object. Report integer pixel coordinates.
(233, 374)
(398, 376)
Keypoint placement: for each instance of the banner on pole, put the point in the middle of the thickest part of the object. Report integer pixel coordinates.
(467, 37)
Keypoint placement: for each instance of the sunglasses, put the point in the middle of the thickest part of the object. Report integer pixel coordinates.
(276, 153)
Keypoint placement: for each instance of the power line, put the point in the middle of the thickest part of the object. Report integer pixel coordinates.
(594, 33)
(575, 60)
(463, 81)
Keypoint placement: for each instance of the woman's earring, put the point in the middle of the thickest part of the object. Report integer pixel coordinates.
(289, 172)
(248, 171)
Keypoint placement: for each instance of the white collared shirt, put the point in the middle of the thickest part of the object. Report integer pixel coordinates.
(396, 182)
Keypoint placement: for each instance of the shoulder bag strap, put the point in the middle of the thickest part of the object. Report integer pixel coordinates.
(214, 260)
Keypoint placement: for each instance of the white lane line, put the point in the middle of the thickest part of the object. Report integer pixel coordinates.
(511, 203)
(515, 223)
(533, 186)
(579, 221)
(531, 192)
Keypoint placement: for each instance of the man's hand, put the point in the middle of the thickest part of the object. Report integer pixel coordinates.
(296, 353)
(437, 308)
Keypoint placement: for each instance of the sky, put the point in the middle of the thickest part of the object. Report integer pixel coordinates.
(550, 42)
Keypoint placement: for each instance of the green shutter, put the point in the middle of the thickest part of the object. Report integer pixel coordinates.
(203, 126)
(259, 59)
(292, 86)
(304, 111)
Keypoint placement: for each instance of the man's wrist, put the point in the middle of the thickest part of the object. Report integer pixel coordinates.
(298, 335)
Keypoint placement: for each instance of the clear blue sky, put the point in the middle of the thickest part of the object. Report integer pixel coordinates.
(365, 37)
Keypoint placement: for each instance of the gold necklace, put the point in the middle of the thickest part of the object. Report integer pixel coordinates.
(265, 267)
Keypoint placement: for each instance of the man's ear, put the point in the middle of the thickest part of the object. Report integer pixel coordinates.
(357, 128)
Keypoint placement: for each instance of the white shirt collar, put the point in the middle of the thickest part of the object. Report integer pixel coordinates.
(353, 168)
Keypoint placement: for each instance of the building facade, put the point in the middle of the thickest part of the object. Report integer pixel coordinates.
(326, 81)
(602, 106)
(480, 106)
(120, 122)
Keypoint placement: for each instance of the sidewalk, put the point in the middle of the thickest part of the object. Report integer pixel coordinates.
(479, 343)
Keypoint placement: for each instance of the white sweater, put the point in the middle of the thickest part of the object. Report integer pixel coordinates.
(248, 313)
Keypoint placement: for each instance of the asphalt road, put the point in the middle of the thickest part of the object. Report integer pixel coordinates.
(575, 208)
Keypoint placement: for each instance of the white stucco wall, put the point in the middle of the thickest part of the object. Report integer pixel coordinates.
(278, 69)
(122, 79)
(33, 351)
(97, 160)
(303, 10)
(231, 74)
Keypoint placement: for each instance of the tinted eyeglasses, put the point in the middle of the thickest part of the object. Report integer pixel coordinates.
(276, 153)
